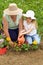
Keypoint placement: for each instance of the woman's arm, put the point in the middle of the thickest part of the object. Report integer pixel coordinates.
(5, 27)
(20, 24)
(20, 29)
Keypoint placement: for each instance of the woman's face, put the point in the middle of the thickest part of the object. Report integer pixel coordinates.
(13, 17)
(28, 19)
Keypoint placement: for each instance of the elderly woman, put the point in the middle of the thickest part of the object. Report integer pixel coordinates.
(12, 22)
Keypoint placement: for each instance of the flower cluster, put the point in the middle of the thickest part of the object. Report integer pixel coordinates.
(18, 47)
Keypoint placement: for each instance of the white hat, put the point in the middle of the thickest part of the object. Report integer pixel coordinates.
(30, 13)
(13, 9)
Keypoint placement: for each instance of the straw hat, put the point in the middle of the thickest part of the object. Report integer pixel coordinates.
(13, 9)
(30, 14)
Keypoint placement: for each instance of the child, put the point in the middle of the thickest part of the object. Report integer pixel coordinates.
(30, 28)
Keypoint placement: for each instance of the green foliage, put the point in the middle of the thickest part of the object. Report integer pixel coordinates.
(0, 36)
(34, 47)
(4, 44)
(25, 47)
(17, 48)
(1, 45)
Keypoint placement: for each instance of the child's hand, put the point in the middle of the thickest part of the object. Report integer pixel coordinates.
(20, 34)
(22, 31)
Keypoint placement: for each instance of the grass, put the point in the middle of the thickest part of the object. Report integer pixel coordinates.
(36, 5)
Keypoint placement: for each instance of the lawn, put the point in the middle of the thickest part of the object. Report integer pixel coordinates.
(36, 5)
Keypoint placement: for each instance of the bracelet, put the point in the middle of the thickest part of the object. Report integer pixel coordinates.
(8, 39)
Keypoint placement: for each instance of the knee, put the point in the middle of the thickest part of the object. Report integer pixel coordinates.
(38, 39)
(29, 42)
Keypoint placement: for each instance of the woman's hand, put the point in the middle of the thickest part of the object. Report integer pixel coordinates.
(21, 39)
(11, 43)
(21, 34)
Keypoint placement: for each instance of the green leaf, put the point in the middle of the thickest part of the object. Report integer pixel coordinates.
(34, 47)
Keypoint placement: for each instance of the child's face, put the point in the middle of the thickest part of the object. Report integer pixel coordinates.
(28, 20)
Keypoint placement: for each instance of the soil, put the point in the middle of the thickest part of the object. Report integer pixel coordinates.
(23, 58)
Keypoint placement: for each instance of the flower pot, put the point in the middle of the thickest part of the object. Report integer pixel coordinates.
(3, 51)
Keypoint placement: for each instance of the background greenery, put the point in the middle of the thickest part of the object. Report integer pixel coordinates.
(36, 5)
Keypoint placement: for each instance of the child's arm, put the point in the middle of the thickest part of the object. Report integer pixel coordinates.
(23, 31)
(29, 30)
(26, 32)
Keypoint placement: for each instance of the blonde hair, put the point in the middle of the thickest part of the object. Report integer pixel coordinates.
(35, 23)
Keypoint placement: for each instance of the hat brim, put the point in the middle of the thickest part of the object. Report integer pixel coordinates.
(15, 12)
(33, 18)
(25, 15)
(28, 16)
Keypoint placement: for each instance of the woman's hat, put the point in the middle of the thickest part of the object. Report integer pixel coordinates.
(30, 14)
(13, 9)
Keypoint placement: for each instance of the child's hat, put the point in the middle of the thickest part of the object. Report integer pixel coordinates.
(30, 14)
